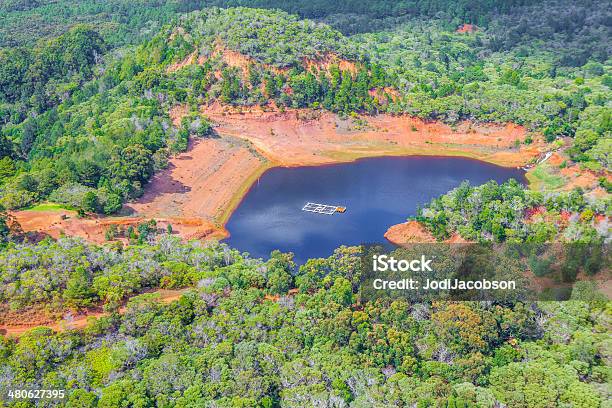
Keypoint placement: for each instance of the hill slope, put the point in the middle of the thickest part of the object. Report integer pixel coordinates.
(93, 142)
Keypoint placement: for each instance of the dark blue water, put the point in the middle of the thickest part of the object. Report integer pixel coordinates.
(378, 193)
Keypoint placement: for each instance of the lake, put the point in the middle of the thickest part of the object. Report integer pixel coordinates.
(378, 192)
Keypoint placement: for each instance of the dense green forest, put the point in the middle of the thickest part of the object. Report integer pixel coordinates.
(85, 123)
(244, 338)
(509, 213)
(127, 22)
(576, 30)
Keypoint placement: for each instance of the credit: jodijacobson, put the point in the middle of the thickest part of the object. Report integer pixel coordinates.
(456, 284)
(445, 284)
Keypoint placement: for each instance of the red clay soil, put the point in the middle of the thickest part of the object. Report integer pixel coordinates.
(236, 59)
(231, 58)
(325, 63)
(413, 232)
(307, 137)
(202, 182)
(177, 113)
(407, 233)
(577, 177)
(191, 59)
(93, 228)
(466, 28)
(64, 222)
(16, 324)
(384, 94)
(556, 159)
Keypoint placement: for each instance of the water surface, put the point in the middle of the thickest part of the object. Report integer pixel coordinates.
(378, 192)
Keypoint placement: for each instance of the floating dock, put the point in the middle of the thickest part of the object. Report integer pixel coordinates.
(323, 208)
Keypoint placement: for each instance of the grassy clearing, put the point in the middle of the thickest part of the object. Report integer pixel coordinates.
(49, 207)
(542, 178)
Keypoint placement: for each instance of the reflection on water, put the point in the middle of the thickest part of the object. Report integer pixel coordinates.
(378, 193)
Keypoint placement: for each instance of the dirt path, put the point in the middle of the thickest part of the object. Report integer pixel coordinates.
(15, 326)
(55, 223)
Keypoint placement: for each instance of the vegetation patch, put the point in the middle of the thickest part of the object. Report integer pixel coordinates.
(542, 177)
(49, 207)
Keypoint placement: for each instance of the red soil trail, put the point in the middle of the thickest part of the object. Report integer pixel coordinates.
(56, 223)
(16, 324)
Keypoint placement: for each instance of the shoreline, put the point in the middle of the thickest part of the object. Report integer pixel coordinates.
(202, 187)
(250, 126)
(241, 194)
